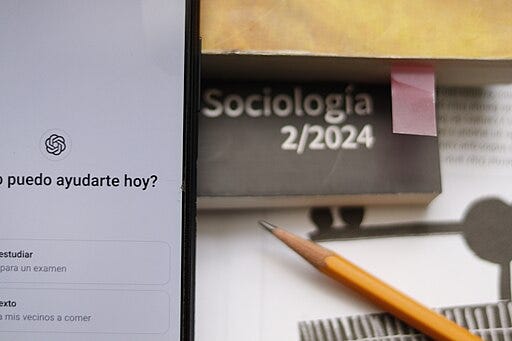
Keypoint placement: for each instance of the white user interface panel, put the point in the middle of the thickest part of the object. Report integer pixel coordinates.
(91, 131)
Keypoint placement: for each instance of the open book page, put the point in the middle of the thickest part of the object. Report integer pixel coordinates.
(451, 253)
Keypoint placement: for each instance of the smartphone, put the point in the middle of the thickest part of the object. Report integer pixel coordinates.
(98, 102)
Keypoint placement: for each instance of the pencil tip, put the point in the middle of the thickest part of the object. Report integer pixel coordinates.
(268, 226)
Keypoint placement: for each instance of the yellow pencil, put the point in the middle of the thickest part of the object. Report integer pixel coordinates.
(403, 307)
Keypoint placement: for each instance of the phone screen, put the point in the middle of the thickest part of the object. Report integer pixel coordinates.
(92, 131)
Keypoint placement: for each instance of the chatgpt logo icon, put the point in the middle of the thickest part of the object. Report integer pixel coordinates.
(55, 144)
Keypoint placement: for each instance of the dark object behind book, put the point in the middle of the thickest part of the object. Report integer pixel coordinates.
(291, 144)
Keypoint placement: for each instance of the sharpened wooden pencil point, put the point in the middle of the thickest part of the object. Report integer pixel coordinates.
(268, 226)
(403, 307)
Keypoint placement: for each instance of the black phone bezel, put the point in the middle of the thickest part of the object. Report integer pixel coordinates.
(190, 110)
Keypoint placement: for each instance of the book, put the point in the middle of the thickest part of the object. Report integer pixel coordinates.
(249, 287)
(308, 144)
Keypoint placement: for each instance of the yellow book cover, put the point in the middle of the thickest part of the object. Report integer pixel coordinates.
(460, 29)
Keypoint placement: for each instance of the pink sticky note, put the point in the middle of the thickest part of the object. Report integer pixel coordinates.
(413, 100)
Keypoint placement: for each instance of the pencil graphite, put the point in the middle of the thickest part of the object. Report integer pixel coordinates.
(403, 307)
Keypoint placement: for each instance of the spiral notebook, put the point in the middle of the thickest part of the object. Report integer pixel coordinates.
(492, 322)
